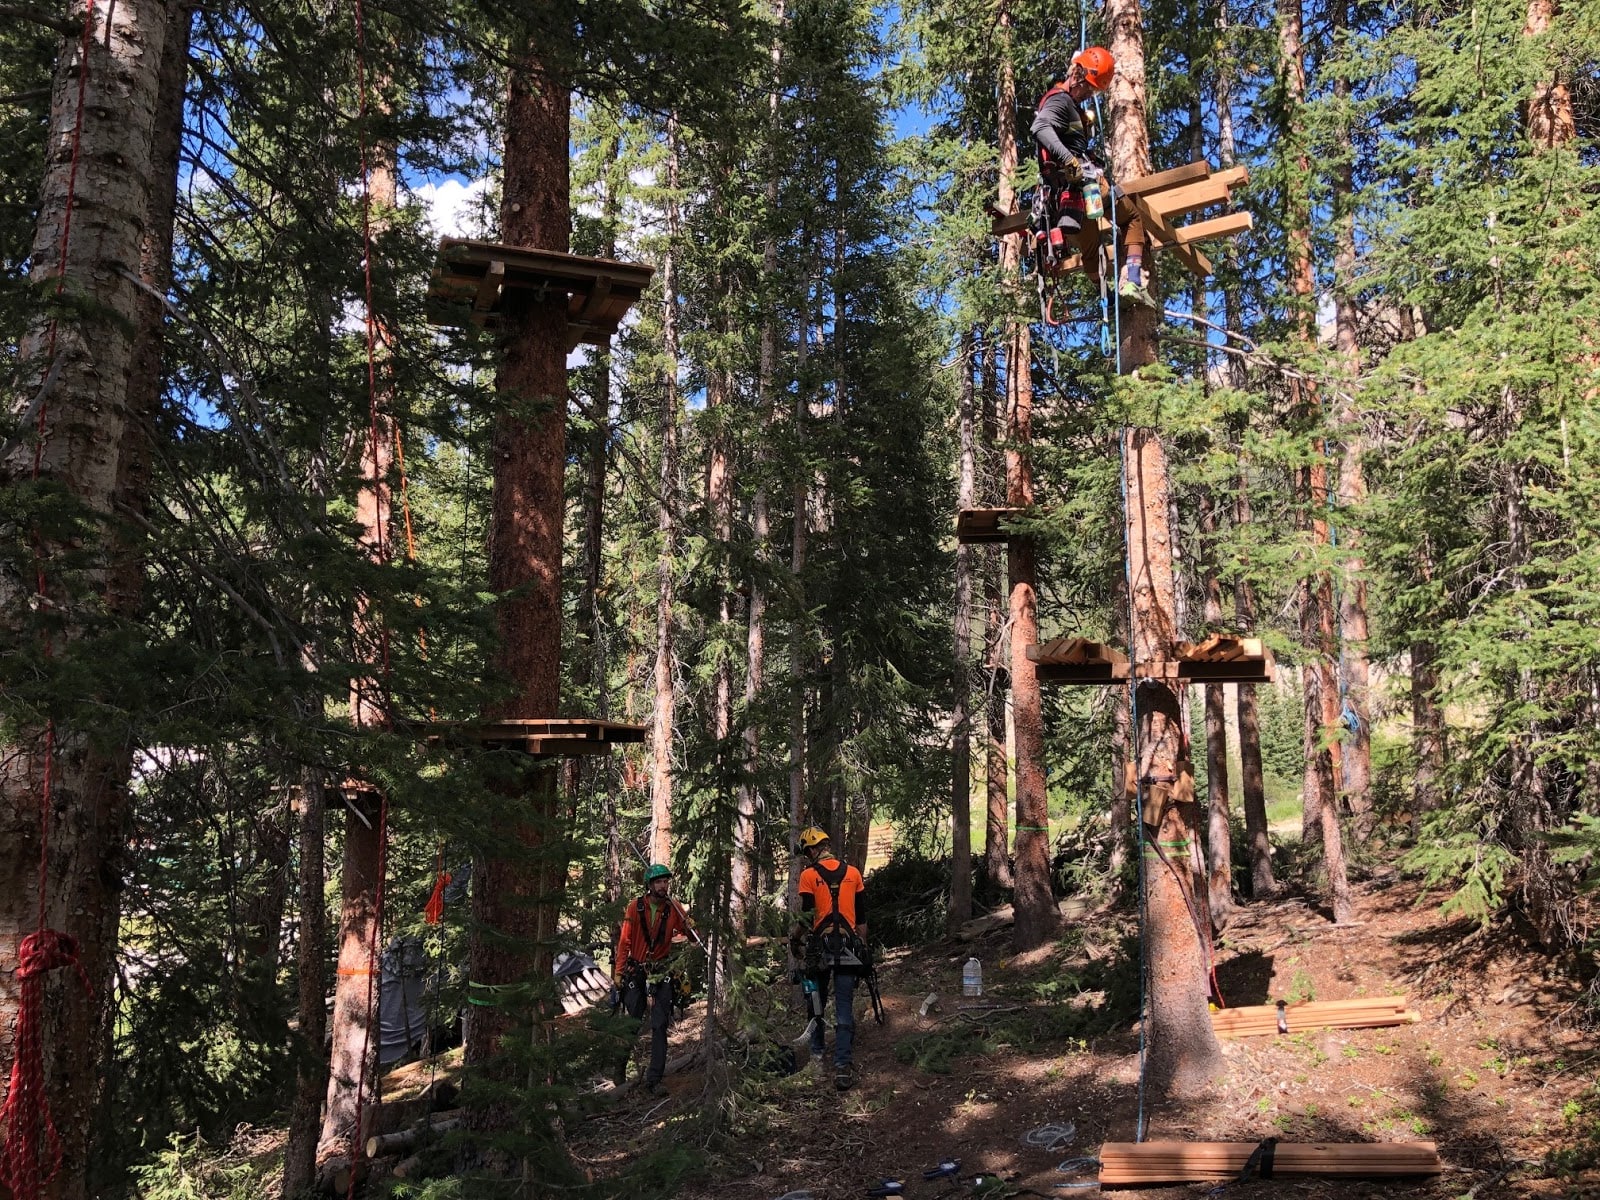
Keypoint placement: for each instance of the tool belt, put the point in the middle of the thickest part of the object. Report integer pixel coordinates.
(835, 949)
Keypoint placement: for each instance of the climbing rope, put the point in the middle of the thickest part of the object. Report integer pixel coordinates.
(25, 1119)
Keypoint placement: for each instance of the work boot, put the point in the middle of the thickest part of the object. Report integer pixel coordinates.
(1134, 293)
(844, 1076)
(654, 1087)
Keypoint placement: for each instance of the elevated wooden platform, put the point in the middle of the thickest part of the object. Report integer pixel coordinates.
(979, 525)
(1158, 200)
(538, 738)
(472, 280)
(1079, 661)
(1220, 658)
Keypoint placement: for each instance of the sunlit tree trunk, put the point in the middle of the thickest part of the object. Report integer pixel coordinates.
(961, 683)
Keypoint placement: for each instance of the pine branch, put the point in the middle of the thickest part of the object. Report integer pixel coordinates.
(65, 26)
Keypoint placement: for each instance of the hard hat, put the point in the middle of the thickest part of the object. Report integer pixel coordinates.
(656, 871)
(813, 837)
(1098, 66)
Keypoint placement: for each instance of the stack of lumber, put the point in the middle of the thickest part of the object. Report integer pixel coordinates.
(1220, 647)
(1123, 1163)
(1260, 1019)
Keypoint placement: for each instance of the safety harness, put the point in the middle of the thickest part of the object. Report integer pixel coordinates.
(833, 938)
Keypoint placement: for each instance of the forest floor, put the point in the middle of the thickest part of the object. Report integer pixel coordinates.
(1500, 1072)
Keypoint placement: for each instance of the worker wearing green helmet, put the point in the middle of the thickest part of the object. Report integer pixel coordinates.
(652, 927)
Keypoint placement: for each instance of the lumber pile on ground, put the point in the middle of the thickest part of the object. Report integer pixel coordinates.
(1130, 1163)
(1258, 1020)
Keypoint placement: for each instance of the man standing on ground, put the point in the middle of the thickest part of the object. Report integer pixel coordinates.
(833, 946)
(652, 927)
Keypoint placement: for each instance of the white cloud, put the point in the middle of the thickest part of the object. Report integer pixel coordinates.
(455, 207)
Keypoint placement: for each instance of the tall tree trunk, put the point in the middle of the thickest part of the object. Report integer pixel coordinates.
(1320, 811)
(1037, 915)
(799, 654)
(1219, 811)
(1551, 120)
(1352, 491)
(1184, 1054)
(1252, 779)
(663, 722)
(353, 1063)
(517, 891)
(961, 683)
(311, 1008)
(997, 771)
(84, 419)
(1427, 728)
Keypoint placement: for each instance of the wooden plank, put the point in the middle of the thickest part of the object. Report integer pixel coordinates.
(1084, 675)
(1183, 1162)
(1008, 224)
(1175, 202)
(1216, 227)
(980, 525)
(595, 300)
(488, 293)
(1157, 226)
(1161, 180)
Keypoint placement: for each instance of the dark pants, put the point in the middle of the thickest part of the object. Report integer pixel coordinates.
(659, 998)
(844, 996)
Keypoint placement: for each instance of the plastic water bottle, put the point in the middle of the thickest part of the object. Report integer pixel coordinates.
(1093, 206)
(972, 978)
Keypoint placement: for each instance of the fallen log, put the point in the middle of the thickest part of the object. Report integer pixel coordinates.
(383, 1144)
(1125, 1163)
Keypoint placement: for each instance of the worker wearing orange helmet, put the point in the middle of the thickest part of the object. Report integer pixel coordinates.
(1061, 128)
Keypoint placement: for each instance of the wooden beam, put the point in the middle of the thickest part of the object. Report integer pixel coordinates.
(1215, 227)
(1145, 184)
(1157, 226)
(1126, 1163)
(595, 300)
(1178, 201)
(1010, 223)
(488, 294)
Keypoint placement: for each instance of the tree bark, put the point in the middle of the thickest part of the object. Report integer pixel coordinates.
(1352, 490)
(664, 718)
(353, 1063)
(1037, 915)
(311, 1065)
(1427, 729)
(997, 770)
(1219, 812)
(91, 425)
(1551, 121)
(1184, 1055)
(961, 683)
(520, 877)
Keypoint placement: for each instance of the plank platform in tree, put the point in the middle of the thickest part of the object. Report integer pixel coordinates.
(473, 280)
(1220, 658)
(1158, 200)
(976, 525)
(1262, 1020)
(1132, 1163)
(544, 737)
(1078, 661)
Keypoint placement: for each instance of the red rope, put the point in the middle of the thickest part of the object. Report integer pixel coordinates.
(25, 1118)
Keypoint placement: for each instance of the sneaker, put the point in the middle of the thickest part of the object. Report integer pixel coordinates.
(1133, 293)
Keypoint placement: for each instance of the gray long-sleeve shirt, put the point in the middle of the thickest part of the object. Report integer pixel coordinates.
(1059, 128)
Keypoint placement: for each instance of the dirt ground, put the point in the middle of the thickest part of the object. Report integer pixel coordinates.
(1494, 1073)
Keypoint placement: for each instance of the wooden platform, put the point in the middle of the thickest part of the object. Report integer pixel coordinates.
(979, 525)
(1262, 1020)
(1158, 200)
(1220, 658)
(1079, 661)
(472, 280)
(539, 738)
(1131, 1163)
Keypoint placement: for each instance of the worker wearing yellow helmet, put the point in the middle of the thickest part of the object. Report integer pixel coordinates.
(831, 940)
